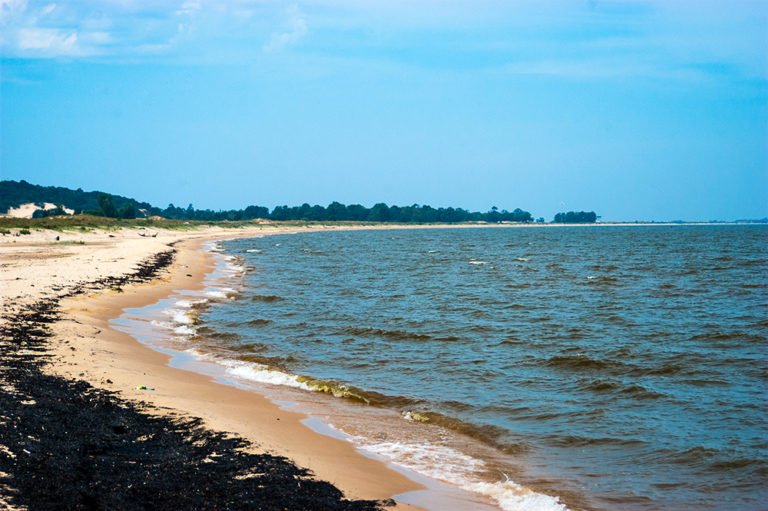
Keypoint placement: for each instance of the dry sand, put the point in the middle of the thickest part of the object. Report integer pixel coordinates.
(85, 347)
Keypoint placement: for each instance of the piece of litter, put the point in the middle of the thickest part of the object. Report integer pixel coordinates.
(144, 387)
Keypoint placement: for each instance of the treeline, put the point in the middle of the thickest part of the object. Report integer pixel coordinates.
(337, 211)
(15, 193)
(576, 217)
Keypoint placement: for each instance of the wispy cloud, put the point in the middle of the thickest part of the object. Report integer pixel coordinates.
(294, 31)
(48, 40)
(598, 39)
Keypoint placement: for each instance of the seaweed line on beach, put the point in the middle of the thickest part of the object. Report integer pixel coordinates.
(65, 444)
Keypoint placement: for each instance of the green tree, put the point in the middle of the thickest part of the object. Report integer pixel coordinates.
(128, 211)
(107, 206)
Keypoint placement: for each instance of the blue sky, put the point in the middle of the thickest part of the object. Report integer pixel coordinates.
(654, 109)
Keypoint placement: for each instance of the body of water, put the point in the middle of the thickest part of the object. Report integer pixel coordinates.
(612, 367)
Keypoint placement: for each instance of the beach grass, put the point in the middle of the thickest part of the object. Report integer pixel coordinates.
(87, 223)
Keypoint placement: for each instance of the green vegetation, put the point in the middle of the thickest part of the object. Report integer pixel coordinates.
(98, 204)
(576, 217)
(86, 223)
(16, 193)
(337, 212)
(57, 211)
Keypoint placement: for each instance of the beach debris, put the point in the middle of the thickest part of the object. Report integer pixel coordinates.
(147, 233)
(144, 387)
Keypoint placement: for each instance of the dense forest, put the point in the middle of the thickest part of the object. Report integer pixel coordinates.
(13, 194)
(576, 217)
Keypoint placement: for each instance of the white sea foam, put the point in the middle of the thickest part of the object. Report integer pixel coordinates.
(252, 371)
(254, 251)
(473, 261)
(185, 330)
(262, 374)
(449, 465)
(162, 324)
(180, 316)
(220, 293)
(188, 304)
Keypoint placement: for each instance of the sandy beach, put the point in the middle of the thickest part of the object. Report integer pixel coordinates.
(47, 265)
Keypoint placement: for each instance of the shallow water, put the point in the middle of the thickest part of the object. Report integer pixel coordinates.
(617, 367)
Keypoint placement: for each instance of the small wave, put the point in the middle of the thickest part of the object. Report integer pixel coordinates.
(312, 251)
(708, 382)
(266, 298)
(602, 280)
(183, 316)
(698, 455)
(185, 330)
(576, 362)
(254, 251)
(222, 293)
(663, 370)
(447, 338)
(477, 263)
(191, 304)
(582, 441)
(732, 464)
(210, 333)
(640, 392)
(262, 374)
(452, 466)
(728, 336)
(394, 335)
(336, 389)
(635, 391)
(486, 433)
(601, 386)
(258, 322)
(268, 370)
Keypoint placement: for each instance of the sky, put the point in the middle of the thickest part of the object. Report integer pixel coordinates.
(636, 109)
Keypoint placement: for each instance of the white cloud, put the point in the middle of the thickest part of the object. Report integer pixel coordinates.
(295, 30)
(48, 41)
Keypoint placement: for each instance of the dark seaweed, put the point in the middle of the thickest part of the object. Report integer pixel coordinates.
(68, 445)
